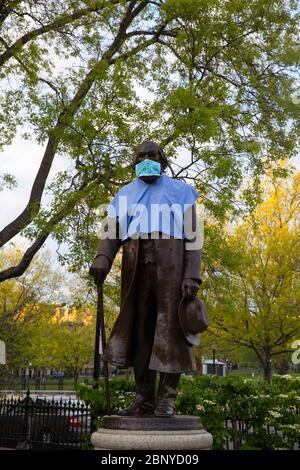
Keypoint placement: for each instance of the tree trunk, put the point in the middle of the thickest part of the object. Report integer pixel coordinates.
(267, 365)
(76, 374)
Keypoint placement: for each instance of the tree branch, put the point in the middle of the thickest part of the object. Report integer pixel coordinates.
(6, 8)
(57, 23)
(18, 270)
(33, 205)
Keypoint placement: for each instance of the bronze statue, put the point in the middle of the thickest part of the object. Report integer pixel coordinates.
(157, 272)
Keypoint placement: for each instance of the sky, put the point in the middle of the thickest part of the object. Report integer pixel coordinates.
(22, 159)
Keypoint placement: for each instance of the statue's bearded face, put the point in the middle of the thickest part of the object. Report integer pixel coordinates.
(148, 152)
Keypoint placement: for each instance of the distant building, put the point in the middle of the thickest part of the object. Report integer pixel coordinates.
(208, 367)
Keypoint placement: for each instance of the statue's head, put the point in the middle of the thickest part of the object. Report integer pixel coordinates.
(149, 161)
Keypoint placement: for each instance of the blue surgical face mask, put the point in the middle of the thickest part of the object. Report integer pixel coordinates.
(147, 168)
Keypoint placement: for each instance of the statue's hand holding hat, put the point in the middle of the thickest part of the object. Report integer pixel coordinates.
(193, 319)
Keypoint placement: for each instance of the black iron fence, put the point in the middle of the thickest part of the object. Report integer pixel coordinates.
(44, 423)
(67, 383)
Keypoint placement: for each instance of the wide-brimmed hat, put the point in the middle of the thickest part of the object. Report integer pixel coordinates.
(193, 319)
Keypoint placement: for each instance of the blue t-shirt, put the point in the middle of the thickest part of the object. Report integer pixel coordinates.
(152, 207)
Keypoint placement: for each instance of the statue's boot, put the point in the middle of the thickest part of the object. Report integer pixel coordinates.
(166, 395)
(144, 402)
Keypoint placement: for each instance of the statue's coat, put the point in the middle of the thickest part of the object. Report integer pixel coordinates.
(171, 352)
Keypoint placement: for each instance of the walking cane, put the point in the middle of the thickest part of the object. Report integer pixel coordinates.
(100, 331)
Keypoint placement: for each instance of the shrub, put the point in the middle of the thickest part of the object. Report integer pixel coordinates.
(121, 394)
(252, 414)
(258, 415)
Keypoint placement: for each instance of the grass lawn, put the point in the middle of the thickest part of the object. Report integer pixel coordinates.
(255, 374)
(68, 383)
(53, 384)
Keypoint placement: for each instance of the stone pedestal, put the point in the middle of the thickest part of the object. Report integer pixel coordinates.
(151, 433)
